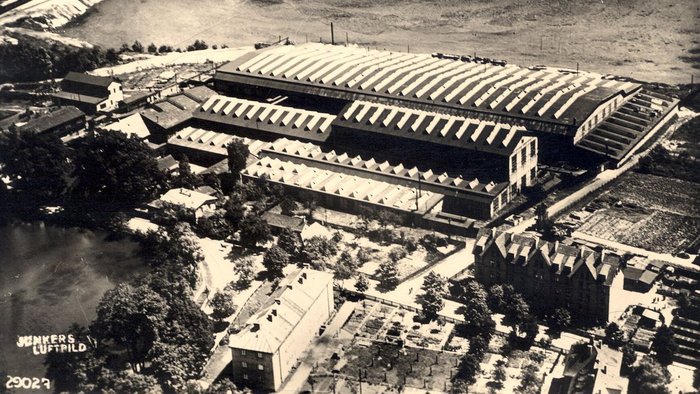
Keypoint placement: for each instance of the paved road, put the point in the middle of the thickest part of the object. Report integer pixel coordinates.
(320, 350)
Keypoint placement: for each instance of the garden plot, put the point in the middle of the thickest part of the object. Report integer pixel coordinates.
(647, 211)
(388, 364)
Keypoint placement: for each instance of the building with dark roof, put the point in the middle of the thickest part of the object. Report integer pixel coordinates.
(90, 93)
(574, 111)
(588, 368)
(61, 122)
(175, 111)
(550, 274)
(266, 350)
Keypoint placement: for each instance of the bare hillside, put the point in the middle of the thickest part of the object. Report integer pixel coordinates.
(644, 39)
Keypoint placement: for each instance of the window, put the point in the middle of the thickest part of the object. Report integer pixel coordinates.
(245, 376)
(259, 355)
(514, 162)
(244, 364)
(242, 352)
(533, 148)
(261, 367)
(533, 174)
(523, 156)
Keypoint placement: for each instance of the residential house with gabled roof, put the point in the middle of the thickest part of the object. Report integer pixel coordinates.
(588, 368)
(90, 93)
(266, 350)
(550, 274)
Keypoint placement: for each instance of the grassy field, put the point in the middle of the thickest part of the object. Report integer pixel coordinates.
(651, 212)
(643, 39)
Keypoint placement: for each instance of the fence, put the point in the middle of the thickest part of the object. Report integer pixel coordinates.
(395, 304)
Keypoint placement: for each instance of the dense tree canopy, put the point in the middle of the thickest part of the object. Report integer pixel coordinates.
(254, 231)
(275, 260)
(36, 59)
(132, 317)
(614, 337)
(664, 346)
(111, 167)
(650, 377)
(36, 163)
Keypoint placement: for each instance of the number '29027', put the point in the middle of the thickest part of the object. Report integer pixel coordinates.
(20, 382)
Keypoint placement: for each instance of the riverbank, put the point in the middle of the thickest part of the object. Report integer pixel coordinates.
(52, 277)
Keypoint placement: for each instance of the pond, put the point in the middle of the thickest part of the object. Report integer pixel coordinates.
(51, 277)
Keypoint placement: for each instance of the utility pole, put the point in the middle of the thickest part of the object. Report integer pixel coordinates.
(576, 68)
(332, 35)
(346, 39)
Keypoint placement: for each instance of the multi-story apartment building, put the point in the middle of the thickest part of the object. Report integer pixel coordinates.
(550, 274)
(268, 347)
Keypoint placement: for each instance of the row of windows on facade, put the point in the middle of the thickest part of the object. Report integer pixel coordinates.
(523, 156)
(245, 365)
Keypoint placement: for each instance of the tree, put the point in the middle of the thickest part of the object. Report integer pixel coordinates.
(165, 49)
(237, 155)
(137, 47)
(254, 230)
(664, 346)
(468, 289)
(499, 374)
(477, 317)
(362, 284)
(345, 267)
(289, 241)
(221, 305)
(112, 56)
(185, 177)
(288, 206)
(224, 386)
(111, 167)
(37, 164)
(629, 356)
(540, 215)
(614, 337)
(152, 48)
(559, 320)
(517, 311)
(173, 365)
(317, 250)
(215, 226)
(498, 296)
(434, 288)
(275, 260)
(132, 317)
(75, 372)
(388, 274)
(234, 211)
(469, 368)
(650, 377)
(530, 380)
(243, 268)
(198, 45)
(129, 382)
(397, 253)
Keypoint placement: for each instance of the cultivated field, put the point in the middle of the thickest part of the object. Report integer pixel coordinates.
(644, 39)
(647, 211)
